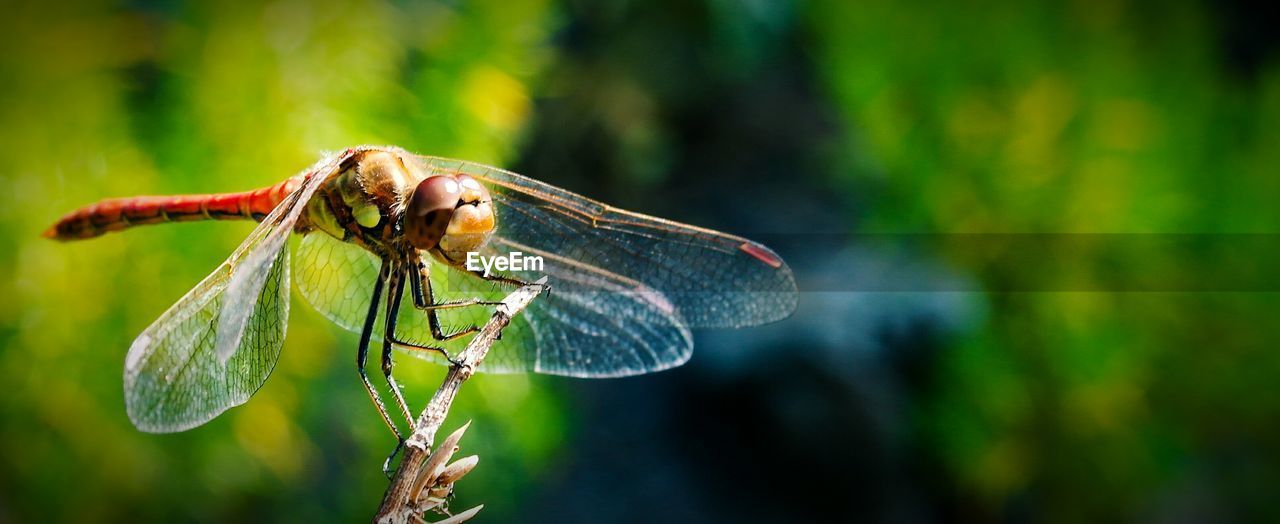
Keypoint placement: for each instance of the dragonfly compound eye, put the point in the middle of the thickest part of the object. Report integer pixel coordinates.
(429, 210)
(472, 222)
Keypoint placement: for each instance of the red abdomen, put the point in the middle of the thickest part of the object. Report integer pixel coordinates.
(116, 214)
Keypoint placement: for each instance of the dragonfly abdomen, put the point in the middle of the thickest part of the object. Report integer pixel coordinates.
(116, 214)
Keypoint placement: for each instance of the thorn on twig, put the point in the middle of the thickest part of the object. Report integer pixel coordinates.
(462, 517)
(457, 469)
(434, 485)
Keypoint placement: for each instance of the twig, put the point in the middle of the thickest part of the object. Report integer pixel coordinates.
(402, 501)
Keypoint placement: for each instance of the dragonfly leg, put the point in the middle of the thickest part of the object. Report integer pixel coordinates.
(546, 288)
(494, 277)
(362, 355)
(424, 299)
(420, 347)
(515, 282)
(396, 287)
(386, 464)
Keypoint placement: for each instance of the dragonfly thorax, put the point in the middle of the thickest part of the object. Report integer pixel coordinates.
(395, 202)
(387, 202)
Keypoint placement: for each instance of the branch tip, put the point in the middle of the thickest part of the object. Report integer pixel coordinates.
(422, 483)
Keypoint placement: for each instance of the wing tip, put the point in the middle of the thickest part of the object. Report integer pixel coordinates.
(761, 253)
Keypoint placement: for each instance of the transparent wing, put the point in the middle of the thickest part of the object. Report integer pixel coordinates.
(625, 287)
(590, 325)
(611, 331)
(215, 347)
(711, 279)
(337, 279)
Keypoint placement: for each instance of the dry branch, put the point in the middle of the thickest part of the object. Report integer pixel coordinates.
(422, 479)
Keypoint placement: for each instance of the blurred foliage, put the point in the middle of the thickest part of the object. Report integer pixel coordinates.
(108, 100)
(1080, 116)
(879, 117)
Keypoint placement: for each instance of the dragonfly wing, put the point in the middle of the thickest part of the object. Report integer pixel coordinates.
(216, 346)
(336, 278)
(174, 377)
(625, 287)
(711, 279)
(611, 331)
(590, 325)
(598, 325)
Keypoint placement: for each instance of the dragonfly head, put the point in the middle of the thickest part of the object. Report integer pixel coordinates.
(449, 213)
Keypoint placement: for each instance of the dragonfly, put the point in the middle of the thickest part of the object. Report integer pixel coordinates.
(381, 229)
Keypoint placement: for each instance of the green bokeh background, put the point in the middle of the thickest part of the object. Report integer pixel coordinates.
(1080, 116)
